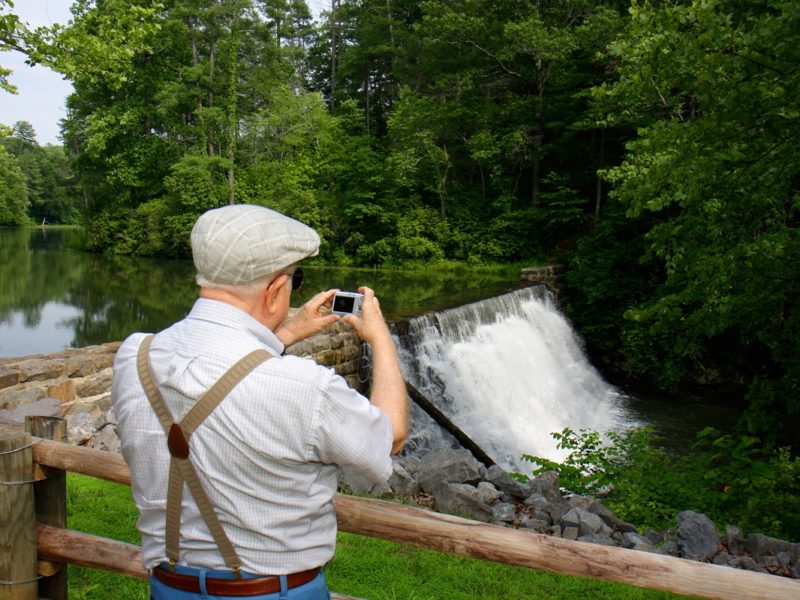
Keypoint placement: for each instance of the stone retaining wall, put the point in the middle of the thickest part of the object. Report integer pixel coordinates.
(549, 275)
(76, 383)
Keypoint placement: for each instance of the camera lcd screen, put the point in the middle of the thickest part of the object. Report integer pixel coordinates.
(343, 304)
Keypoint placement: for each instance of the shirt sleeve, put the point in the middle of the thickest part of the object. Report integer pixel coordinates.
(351, 432)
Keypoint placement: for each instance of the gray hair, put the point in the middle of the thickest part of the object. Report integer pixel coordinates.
(247, 290)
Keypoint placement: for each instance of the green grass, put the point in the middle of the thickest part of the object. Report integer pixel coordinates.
(363, 567)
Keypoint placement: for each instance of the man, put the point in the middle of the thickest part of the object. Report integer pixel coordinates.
(233, 470)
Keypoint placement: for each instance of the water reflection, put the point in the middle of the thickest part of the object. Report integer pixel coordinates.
(52, 297)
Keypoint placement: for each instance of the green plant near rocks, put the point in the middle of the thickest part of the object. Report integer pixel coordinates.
(731, 479)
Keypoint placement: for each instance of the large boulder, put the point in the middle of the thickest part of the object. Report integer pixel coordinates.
(447, 465)
(696, 536)
(462, 500)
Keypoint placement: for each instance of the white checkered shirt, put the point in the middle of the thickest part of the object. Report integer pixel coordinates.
(268, 454)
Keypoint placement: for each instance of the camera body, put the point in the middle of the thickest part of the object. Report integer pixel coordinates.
(347, 303)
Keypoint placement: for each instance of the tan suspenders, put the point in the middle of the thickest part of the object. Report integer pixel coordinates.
(180, 467)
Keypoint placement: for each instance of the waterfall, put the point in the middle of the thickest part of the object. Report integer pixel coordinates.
(508, 371)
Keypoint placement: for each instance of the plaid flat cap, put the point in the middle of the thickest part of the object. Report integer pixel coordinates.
(242, 243)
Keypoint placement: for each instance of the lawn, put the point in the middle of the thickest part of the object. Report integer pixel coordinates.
(363, 567)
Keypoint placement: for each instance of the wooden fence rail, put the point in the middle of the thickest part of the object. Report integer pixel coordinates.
(426, 529)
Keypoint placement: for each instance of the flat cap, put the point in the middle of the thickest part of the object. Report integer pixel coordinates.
(242, 243)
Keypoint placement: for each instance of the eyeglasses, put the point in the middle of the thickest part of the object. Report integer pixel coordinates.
(297, 279)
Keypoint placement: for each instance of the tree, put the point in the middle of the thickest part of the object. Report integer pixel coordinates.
(13, 191)
(717, 173)
(25, 132)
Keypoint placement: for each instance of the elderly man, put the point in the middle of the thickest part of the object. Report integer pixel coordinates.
(234, 447)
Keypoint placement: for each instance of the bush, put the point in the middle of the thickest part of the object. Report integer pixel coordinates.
(730, 479)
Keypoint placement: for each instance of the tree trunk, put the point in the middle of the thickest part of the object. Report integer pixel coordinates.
(233, 77)
(599, 188)
(334, 42)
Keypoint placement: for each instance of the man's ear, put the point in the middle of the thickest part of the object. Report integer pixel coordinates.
(271, 293)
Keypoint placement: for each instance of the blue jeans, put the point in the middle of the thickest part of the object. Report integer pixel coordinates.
(316, 589)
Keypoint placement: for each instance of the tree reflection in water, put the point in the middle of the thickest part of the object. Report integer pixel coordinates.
(113, 296)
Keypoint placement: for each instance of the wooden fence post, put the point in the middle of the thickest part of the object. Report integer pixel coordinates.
(50, 500)
(18, 574)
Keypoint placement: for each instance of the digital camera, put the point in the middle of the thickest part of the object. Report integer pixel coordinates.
(347, 303)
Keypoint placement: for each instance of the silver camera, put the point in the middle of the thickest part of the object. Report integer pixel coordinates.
(347, 303)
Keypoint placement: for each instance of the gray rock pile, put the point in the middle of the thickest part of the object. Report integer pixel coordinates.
(452, 481)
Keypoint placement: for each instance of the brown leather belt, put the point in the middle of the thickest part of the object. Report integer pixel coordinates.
(233, 587)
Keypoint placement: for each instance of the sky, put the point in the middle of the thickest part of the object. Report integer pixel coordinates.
(41, 93)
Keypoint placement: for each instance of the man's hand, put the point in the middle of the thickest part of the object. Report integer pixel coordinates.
(310, 319)
(370, 326)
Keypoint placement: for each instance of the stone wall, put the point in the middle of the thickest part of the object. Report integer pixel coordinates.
(549, 275)
(76, 383)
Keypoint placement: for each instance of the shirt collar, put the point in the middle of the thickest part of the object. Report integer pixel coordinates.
(222, 313)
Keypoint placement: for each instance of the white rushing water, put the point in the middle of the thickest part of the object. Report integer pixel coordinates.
(508, 371)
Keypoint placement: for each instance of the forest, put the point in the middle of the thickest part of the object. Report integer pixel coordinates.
(649, 147)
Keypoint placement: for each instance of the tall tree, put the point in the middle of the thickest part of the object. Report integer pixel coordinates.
(717, 174)
(13, 191)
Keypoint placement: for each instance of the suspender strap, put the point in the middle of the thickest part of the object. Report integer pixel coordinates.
(180, 468)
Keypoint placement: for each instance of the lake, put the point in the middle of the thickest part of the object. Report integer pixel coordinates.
(52, 297)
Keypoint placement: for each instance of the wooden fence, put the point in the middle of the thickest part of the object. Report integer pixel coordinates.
(29, 549)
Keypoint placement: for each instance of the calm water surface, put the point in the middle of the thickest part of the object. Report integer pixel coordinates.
(52, 297)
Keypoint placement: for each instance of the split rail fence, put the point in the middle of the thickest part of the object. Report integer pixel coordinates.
(35, 543)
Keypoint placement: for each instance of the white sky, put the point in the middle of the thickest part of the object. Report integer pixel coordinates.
(41, 93)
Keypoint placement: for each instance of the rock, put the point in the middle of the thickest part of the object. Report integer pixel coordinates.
(504, 512)
(46, 407)
(578, 501)
(503, 482)
(409, 463)
(447, 465)
(108, 439)
(670, 547)
(537, 525)
(487, 493)
(654, 537)
(360, 484)
(697, 539)
(546, 484)
(569, 532)
(65, 391)
(611, 519)
(537, 502)
(588, 523)
(401, 482)
(463, 500)
(734, 540)
(746, 563)
(761, 546)
(96, 384)
(21, 394)
(8, 377)
(634, 541)
(598, 538)
(39, 369)
(80, 429)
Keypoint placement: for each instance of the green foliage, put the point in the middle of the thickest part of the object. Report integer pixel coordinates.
(709, 190)
(730, 479)
(13, 191)
(49, 180)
